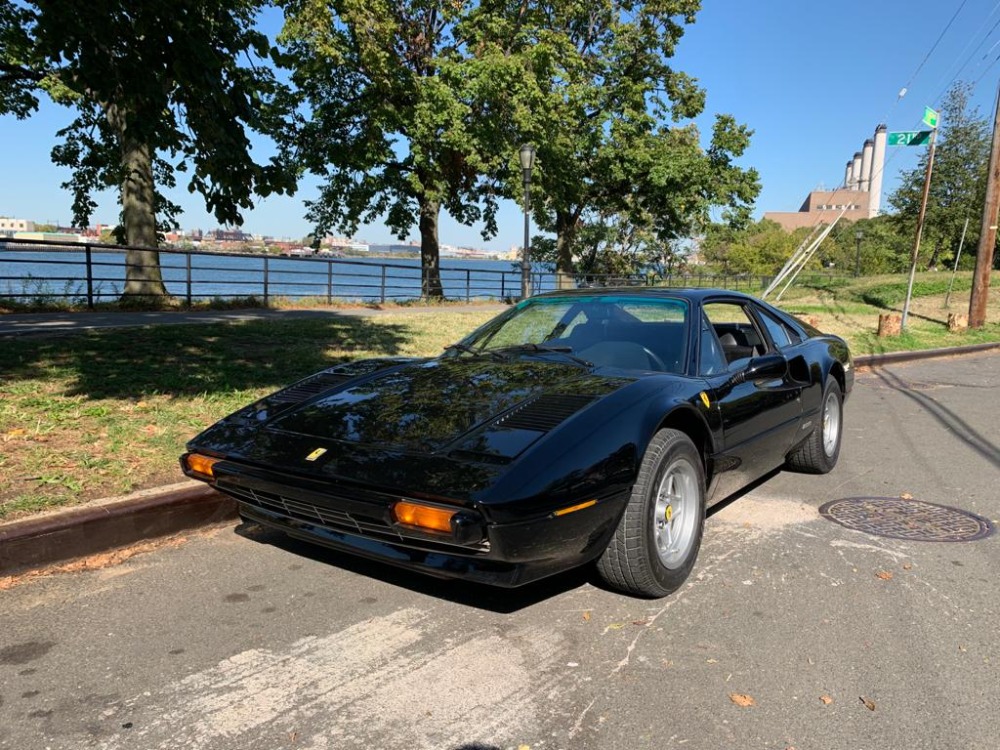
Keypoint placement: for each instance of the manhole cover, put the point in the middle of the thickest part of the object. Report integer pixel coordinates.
(913, 520)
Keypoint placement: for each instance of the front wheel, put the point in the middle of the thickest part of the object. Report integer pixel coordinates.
(658, 537)
(820, 451)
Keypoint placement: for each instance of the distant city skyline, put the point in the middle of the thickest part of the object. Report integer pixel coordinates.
(811, 80)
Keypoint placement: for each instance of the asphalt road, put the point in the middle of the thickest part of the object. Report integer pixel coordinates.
(239, 640)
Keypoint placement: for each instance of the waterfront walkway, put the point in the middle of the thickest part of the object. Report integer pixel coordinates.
(61, 323)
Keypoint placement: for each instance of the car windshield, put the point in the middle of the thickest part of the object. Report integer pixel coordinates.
(627, 332)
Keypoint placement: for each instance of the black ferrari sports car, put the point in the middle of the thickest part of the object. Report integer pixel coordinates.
(578, 426)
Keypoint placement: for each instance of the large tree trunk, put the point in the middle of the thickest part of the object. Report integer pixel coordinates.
(566, 223)
(143, 279)
(430, 250)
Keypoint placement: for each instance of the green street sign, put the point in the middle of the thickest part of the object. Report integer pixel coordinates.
(930, 117)
(910, 138)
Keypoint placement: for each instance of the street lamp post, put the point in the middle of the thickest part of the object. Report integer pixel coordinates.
(857, 258)
(527, 157)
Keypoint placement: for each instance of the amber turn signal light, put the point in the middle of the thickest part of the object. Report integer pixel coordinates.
(423, 516)
(199, 464)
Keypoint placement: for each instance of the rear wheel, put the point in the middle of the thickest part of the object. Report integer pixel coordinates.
(820, 451)
(658, 537)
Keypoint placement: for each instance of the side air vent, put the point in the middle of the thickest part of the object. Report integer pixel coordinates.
(308, 388)
(543, 413)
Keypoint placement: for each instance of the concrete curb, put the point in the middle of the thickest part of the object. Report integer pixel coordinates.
(77, 532)
(889, 358)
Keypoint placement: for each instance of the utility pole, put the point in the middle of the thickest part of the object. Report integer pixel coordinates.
(920, 229)
(987, 232)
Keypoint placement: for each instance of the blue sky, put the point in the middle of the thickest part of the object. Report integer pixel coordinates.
(812, 80)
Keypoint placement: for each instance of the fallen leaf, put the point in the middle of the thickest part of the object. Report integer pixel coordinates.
(142, 405)
(885, 575)
(907, 566)
(869, 704)
(741, 700)
(906, 496)
(640, 622)
(524, 747)
(293, 736)
(963, 649)
(827, 700)
(711, 661)
(615, 626)
(586, 616)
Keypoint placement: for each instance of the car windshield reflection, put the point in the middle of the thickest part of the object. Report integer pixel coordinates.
(626, 332)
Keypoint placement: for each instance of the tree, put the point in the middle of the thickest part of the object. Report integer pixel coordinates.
(404, 114)
(602, 92)
(958, 183)
(760, 249)
(159, 88)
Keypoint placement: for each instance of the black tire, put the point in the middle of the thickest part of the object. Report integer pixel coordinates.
(641, 558)
(819, 454)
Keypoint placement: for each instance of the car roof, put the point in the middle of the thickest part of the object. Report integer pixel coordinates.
(694, 294)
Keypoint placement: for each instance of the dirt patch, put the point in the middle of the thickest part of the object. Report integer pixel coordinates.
(93, 562)
(766, 514)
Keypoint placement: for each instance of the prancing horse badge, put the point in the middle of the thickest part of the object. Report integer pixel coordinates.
(315, 454)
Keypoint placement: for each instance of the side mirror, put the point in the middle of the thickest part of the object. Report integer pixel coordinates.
(765, 367)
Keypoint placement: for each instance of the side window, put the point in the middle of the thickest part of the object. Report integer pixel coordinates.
(781, 334)
(777, 331)
(737, 334)
(711, 360)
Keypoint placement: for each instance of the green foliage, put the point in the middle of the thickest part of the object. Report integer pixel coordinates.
(958, 182)
(760, 248)
(599, 92)
(404, 113)
(160, 87)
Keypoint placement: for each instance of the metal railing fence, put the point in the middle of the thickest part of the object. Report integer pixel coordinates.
(86, 273)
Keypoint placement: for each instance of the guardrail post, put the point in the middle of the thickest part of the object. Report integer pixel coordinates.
(382, 289)
(266, 280)
(187, 265)
(503, 285)
(90, 277)
(468, 283)
(329, 282)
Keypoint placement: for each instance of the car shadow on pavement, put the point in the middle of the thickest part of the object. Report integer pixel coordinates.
(481, 596)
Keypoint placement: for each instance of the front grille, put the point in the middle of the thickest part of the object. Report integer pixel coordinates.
(352, 522)
(305, 511)
(543, 413)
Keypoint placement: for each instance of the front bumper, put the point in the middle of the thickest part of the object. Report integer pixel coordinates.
(358, 522)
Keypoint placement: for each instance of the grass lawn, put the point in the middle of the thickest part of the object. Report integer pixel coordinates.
(108, 412)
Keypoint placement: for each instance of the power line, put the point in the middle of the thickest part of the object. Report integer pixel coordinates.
(931, 50)
(972, 54)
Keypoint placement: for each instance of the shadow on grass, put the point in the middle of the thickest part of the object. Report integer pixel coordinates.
(198, 359)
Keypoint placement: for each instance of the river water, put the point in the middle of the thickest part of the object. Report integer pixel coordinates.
(27, 273)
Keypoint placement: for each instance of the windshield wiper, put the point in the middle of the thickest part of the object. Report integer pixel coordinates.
(565, 351)
(466, 349)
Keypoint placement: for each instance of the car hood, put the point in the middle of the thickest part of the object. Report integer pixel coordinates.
(452, 403)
